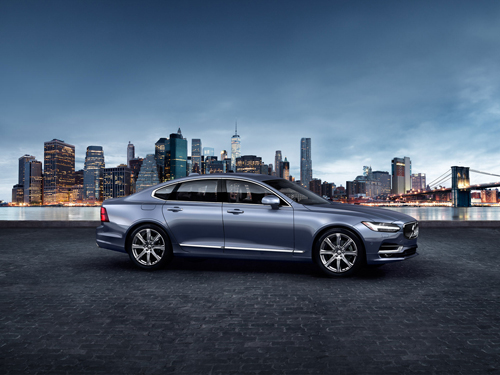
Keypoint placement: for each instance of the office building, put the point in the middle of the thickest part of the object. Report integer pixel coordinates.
(278, 164)
(162, 157)
(315, 186)
(148, 175)
(79, 177)
(355, 189)
(401, 175)
(248, 164)
(223, 155)
(208, 151)
(59, 171)
(196, 155)
(327, 189)
(93, 175)
(305, 162)
(135, 168)
(385, 181)
(22, 162)
(117, 182)
(286, 170)
(489, 196)
(178, 156)
(418, 181)
(215, 166)
(33, 182)
(18, 194)
(130, 153)
(367, 172)
(235, 147)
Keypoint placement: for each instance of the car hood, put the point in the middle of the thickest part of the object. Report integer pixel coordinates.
(370, 213)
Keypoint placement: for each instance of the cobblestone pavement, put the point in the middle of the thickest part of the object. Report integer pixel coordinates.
(68, 307)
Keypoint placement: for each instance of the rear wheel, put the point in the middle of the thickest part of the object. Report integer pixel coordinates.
(149, 247)
(338, 252)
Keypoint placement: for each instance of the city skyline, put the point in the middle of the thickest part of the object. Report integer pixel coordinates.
(367, 82)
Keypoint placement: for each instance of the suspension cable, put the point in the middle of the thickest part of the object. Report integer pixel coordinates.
(433, 182)
(491, 174)
(441, 180)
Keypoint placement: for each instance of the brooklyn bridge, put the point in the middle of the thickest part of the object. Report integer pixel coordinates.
(460, 187)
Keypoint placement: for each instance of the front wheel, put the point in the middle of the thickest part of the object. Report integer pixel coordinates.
(149, 247)
(338, 252)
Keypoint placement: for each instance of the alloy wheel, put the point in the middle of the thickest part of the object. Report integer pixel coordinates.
(148, 247)
(338, 252)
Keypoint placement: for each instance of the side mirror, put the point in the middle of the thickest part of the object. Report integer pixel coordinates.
(271, 200)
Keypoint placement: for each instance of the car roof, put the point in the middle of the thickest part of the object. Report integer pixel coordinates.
(251, 176)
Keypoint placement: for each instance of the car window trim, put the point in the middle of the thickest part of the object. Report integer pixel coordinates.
(256, 183)
(223, 189)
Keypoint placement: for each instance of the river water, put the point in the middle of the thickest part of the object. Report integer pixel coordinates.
(92, 213)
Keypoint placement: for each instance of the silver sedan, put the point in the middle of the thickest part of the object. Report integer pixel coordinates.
(252, 216)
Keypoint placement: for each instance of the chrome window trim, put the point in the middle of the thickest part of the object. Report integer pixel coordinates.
(221, 178)
(174, 182)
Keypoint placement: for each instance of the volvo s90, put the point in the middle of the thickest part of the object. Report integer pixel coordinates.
(249, 216)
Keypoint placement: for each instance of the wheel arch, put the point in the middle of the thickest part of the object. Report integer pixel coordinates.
(144, 222)
(323, 230)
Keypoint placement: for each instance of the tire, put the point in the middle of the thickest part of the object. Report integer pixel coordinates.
(338, 252)
(149, 247)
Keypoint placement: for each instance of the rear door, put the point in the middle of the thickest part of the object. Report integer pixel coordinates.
(193, 213)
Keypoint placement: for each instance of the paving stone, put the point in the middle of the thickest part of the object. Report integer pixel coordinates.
(67, 307)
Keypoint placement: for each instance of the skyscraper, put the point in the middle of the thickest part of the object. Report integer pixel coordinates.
(148, 175)
(235, 147)
(22, 162)
(277, 164)
(178, 155)
(59, 171)
(130, 153)
(401, 175)
(196, 155)
(305, 162)
(33, 189)
(162, 157)
(93, 174)
(286, 169)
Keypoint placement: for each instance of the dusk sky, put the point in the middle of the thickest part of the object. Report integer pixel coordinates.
(367, 81)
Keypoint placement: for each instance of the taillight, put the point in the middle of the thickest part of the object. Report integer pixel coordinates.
(104, 215)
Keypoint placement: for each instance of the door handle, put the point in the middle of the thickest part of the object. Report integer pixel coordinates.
(174, 209)
(235, 211)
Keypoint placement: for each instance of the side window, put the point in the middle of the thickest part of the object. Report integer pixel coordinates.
(197, 191)
(245, 192)
(164, 193)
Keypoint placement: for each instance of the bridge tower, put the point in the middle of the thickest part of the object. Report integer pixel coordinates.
(460, 183)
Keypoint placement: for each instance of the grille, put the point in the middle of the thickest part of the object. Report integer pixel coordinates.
(410, 230)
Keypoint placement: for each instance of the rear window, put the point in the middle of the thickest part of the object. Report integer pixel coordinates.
(165, 192)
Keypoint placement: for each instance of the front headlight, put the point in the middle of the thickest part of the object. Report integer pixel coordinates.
(382, 227)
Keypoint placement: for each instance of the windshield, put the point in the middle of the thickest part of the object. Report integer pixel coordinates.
(296, 192)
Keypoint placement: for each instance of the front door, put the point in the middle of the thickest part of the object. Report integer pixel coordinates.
(252, 228)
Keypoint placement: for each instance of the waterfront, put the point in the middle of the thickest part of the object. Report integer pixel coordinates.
(92, 213)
